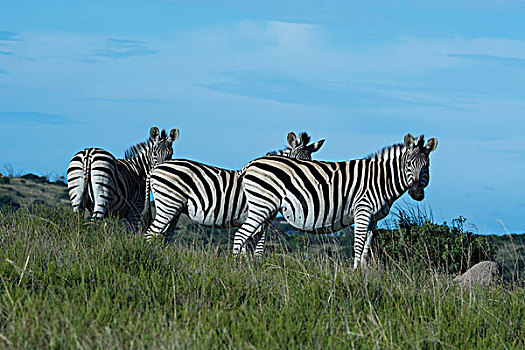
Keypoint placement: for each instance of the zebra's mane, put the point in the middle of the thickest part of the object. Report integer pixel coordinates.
(137, 150)
(385, 152)
(304, 139)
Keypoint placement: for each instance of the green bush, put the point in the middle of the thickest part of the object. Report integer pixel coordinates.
(5, 180)
(6, 201)
(421, 245)
(64, 194)
(60, 183)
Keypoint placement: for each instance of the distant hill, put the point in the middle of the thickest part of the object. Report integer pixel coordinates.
(28, 189)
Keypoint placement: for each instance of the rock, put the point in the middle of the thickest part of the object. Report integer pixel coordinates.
(484, 273)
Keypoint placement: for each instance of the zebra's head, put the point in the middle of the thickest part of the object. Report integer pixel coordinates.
(162, 145)
(298, 147)
(417, 164)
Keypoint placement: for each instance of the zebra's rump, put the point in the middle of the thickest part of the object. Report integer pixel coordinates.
(88, 166)
(94, 172)
(209, 195)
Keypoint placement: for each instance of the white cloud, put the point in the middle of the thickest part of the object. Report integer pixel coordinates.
(304, 50)
(406, 73)
(290, 35)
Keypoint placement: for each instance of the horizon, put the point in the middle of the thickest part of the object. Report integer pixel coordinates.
(235, 78)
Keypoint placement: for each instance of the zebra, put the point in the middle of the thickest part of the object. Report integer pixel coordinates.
(209, 195)
(102, 184)
(323, 197)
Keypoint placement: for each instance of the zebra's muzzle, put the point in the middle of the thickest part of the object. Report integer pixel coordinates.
(417, 193)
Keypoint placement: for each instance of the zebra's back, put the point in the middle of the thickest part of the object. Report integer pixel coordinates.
(313, 196)
(208, 195)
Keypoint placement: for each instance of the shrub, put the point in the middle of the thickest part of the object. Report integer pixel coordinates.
(6, 201)
(419, 243)
(64, 194)
(4, 180)
(60, 183)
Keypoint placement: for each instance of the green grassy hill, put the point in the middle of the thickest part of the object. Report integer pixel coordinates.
(68, 284)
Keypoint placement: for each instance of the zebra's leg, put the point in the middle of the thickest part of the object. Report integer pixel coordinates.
(102, 196)
(80, 201)
(258, 239)
(76, 195)
(251, 243)
(134, 221)
(99, 211)
(258, 214)
(247, 230)
(169, 233)
(259, 248)
(262, 206)
(76, 181)
(366, 248)
(244, 248)
(361, 236)
(166, 213)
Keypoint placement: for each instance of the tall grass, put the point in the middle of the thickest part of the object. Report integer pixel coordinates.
(67, 284)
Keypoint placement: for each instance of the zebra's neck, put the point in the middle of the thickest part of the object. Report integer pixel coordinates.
(390, 163)
(282, 152)
(139, 158)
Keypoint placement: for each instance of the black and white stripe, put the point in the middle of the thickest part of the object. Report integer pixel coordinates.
(104, 185)
(324, 197)
(209, 195)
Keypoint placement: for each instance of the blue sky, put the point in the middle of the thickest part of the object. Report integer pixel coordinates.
(236, 77)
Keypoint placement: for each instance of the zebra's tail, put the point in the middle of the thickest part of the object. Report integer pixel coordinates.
(147, 204)
(87, 180)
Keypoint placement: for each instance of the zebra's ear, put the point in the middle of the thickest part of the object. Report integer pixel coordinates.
(292, 139)
(154, 133)
(431, 144)
(409, 141)
(314, 147)
(174, 135)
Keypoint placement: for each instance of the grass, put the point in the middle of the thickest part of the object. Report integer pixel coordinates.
(67, 284)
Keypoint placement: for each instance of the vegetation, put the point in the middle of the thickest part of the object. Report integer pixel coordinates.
(68, 284)
(416, 241)
(426, 245)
